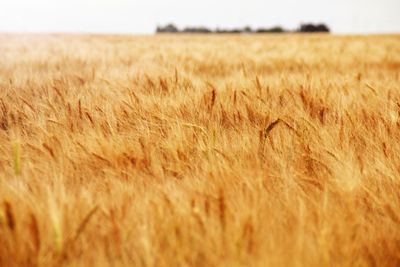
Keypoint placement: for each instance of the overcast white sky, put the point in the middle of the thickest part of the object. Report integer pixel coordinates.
(142, 16)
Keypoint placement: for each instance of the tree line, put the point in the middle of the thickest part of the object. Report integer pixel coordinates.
(303, 28)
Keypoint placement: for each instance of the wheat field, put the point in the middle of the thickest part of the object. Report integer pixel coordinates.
(194, 150)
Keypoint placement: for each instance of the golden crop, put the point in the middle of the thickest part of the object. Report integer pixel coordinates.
(268, 150)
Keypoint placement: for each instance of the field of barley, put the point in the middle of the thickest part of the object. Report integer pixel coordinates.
(191, 150)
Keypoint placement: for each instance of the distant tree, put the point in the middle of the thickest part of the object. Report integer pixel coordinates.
(247, 29)
(221, 30)
(276, 29)
(313, 28)
(169, 28)
(235, 30)
(323, 28)
(309, 27)
(197, 30)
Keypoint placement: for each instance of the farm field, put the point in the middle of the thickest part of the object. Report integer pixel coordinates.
(199, 150)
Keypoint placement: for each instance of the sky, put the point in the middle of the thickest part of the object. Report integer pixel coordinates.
(142, 16)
